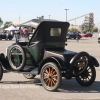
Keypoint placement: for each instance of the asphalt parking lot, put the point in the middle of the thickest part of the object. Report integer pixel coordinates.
(14, 86)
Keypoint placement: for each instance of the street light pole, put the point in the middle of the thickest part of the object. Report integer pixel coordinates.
(66, 14)
(49, 16)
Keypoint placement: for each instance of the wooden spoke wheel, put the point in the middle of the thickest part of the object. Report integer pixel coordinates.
(87, 77)
(50, 76)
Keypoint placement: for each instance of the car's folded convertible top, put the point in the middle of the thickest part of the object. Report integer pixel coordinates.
(35, 22)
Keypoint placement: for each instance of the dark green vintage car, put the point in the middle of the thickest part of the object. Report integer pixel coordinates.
(45, 54)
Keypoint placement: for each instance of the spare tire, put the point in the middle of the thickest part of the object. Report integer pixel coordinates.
(17, 57)
(82, 57)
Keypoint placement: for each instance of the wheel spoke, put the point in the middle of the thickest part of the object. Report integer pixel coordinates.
(54, 79)
(46, 81)
(88, 79)
(45, 74)
(53, 72)
(49, 70)
(46, 77)
(53, 82)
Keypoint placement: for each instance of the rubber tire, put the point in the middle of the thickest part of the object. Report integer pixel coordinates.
(10, 38)
(29, 77)
(91, 81)
(23, 62)
(75, 58)
(74, 37)
(51, 64)
(1, 72)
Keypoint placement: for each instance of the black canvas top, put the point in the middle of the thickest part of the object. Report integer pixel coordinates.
(46, 30)
(35, 22)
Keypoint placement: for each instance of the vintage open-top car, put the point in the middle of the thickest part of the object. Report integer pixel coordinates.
(45, 54)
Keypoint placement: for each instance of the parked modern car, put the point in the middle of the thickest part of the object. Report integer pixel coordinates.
(44, 53)
(3, 36)
(72, 35)
(89, 34)
(86, 34)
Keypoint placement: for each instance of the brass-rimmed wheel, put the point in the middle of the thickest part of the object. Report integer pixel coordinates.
(50, 76)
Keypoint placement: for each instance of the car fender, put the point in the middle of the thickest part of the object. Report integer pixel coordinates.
(94, 61)
(74, 59)
(56, 60)
(4, 62)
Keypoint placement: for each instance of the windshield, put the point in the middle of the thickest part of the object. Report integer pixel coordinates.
(26, 34)
(25, 38)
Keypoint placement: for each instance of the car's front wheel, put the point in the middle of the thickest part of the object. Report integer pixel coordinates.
(51, 76)
(87, 77)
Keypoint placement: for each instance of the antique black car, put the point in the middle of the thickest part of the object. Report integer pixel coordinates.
(45, 54)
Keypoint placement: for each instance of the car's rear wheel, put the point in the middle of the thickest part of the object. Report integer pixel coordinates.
(17, 57)
(1, 72)
(29, 76)
(51, 76)
(87, 77)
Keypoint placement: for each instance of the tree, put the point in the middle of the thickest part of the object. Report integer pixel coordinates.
(1, 21)
(73, 30)
(7, 24)
(86, 29)
(95, 29)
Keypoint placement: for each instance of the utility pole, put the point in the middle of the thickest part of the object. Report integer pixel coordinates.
(66, 14)
(49, 16)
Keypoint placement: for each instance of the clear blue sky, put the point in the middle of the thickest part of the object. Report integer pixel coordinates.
(29, 9)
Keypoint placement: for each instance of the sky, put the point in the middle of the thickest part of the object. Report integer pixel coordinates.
(10, 10)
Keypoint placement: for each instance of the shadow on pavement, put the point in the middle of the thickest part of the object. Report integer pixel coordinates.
(71, 86)
(67, 86)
